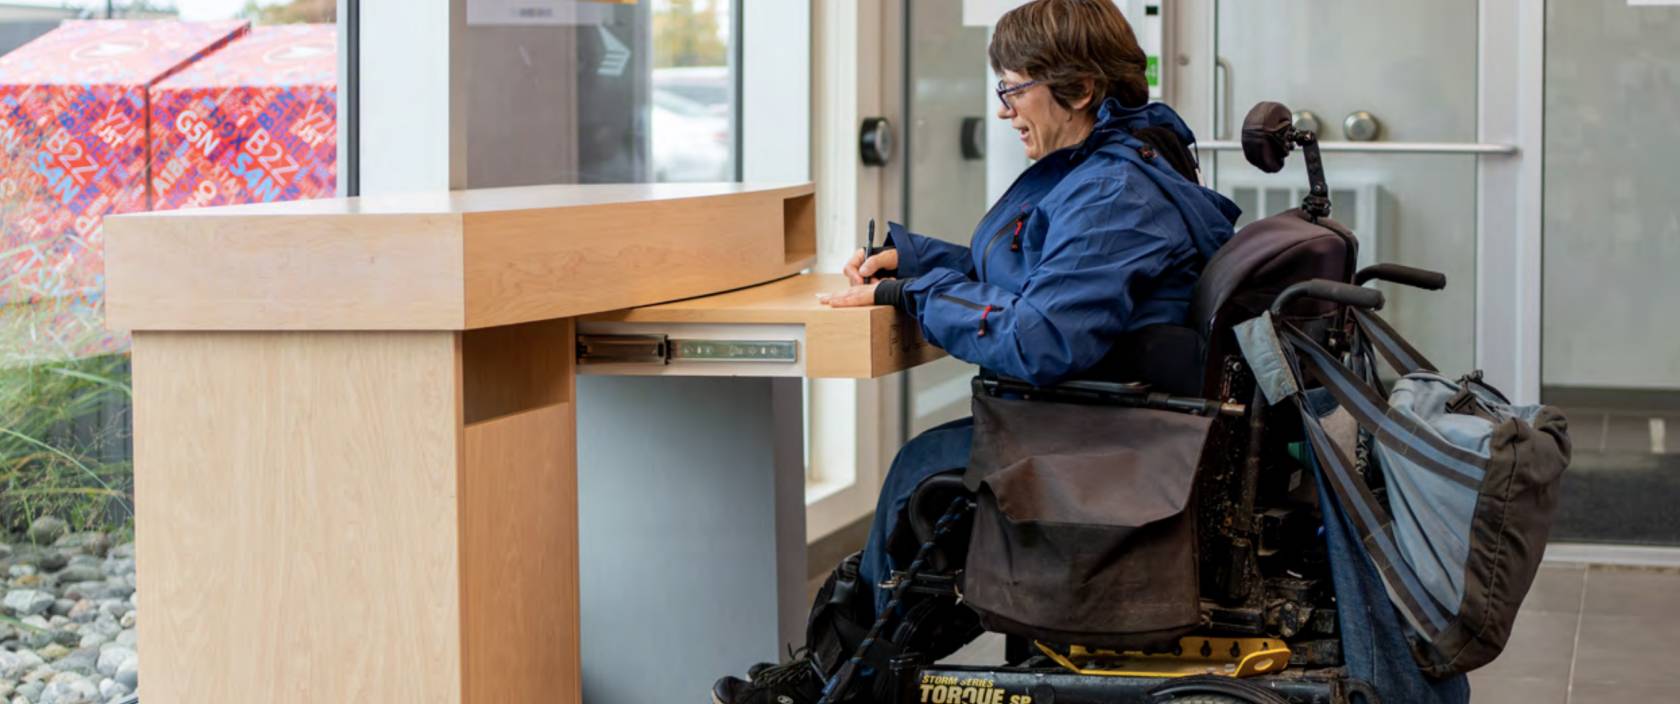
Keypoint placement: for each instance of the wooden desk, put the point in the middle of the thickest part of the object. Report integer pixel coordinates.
(357, 446)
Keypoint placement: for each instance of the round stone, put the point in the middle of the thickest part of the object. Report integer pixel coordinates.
(46, 529)
(89, 543)
(83, 660)
(128, 673)
(112, 658)
(14, 664)
(110, 689)
(115, 607)
(83, 611)
(41, 673)
(27, 602)
(80, 573)
(69, 690)
(53, 560)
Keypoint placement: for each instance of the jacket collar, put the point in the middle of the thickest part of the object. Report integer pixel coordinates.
(1116, 121)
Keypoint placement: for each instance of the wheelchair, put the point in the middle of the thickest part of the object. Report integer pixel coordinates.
(1268, 630)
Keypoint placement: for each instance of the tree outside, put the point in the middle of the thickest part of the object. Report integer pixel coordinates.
(686, 33)
(295, 11)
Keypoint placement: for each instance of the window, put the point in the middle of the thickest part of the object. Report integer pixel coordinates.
(241, 100)
(618, 92)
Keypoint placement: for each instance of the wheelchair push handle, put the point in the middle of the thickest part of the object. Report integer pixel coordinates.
(1327, 290)
(1402, 274)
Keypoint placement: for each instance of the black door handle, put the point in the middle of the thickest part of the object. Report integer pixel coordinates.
(973, 138)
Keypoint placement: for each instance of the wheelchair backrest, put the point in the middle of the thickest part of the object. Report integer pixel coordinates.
(1272, 253)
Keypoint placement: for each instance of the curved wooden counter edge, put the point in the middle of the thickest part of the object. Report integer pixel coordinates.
(450, 261)
(849, 343)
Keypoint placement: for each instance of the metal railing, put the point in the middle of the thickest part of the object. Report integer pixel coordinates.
(1223, 145)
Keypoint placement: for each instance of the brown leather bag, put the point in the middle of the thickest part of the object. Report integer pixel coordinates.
(1084, 531)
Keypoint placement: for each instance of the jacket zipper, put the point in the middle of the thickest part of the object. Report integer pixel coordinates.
(987, 252)
(985, 310)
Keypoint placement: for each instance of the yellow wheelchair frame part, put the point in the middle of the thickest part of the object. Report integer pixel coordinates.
(1195, 655)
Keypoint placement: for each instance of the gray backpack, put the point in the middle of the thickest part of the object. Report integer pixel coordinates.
(1471, 481)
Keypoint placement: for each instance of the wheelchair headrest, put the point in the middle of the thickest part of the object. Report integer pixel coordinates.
(1266, 136)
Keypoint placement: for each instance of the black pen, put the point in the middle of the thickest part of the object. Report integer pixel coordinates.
(869, 249)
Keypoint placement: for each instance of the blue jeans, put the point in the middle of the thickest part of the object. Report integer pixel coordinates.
(1373, 637)
(937, 451)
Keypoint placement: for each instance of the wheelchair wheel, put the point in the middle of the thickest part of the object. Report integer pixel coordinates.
(1213, 690)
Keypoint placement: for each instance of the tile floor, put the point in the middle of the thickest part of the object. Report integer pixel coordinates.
(1590, 634)
(1586, 635)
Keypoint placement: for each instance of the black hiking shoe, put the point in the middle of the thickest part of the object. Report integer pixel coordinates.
(795, 682)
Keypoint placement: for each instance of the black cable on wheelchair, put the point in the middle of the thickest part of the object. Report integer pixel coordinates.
(837, 687)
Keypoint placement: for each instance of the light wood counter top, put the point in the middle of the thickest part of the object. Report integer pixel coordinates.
(450, 261)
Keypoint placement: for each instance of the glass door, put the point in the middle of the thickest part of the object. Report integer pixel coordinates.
(948, 105)
(1397, 119)
(1610, 357)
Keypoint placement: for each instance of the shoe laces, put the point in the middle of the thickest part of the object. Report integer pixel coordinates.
(798, 668)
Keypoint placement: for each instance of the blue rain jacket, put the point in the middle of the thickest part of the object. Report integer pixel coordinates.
(1089, 242)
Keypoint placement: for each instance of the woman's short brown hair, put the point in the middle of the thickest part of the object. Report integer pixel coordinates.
(1065, 42)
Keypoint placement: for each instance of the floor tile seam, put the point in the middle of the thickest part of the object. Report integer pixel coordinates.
(1575, 647)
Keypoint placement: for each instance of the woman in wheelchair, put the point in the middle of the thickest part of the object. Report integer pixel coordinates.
(1104, 234)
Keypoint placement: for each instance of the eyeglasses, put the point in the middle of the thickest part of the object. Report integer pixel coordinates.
(1005, 90)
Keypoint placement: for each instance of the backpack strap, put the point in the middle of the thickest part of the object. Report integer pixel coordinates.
(1399, 353)
(1395, 430)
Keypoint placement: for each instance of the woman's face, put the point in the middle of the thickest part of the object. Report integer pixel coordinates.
(1044, 125)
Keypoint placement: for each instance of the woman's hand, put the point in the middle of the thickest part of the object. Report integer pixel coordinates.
(859, 295)
(858, 269)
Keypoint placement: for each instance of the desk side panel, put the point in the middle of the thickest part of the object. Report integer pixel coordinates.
(296, 516)
(519, 516)
(519, 559)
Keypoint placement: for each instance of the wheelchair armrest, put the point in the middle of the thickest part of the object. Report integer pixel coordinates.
(1104, 393)
(1402, 274)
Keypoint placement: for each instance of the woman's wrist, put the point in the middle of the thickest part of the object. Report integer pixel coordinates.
(890, 292)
